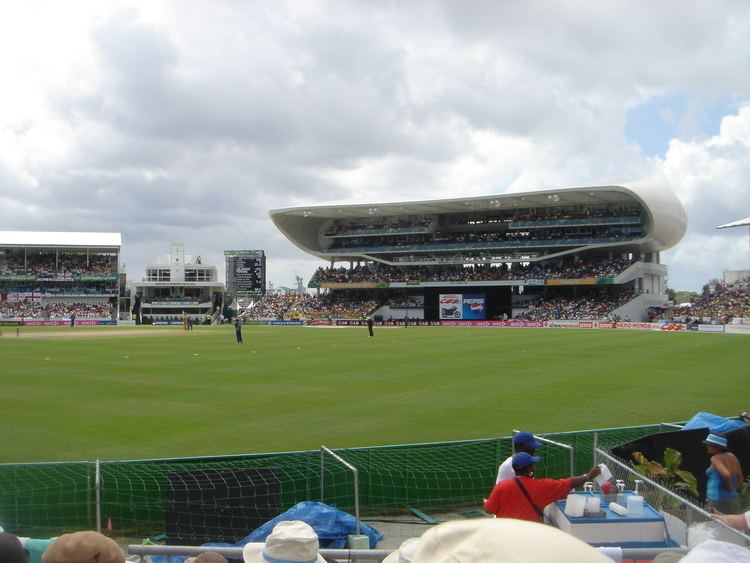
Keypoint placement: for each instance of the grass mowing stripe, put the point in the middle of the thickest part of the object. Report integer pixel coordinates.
(162, 393)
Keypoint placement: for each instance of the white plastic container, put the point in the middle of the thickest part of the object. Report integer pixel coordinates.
(618, 508)
(604, 476)
(592, 504)
(575, 505)
(635, 505)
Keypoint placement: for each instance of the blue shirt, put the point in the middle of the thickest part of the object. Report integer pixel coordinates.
(715, 488)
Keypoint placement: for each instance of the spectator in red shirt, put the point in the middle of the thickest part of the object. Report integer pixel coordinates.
(524, 497)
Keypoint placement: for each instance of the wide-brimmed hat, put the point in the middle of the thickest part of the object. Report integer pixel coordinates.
(716, 441)
(291, 541)
(404, 553)
(83, 546)
(499, 539)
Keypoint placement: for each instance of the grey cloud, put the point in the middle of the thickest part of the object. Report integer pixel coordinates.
(194, 125)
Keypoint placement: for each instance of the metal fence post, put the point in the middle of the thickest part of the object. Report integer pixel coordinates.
(322, 463)
(355, 473)
(97, 489)
(596, 447)
(571, 449)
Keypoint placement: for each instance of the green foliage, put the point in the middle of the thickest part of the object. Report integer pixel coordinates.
(671, 294)
(668, 474)
(685, 297)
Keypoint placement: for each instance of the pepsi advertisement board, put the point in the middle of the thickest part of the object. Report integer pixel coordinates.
(473, 307)
(466, 306)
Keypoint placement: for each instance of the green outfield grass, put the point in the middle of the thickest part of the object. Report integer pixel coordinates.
(146, 393)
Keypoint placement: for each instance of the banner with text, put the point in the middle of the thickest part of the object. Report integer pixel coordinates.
(473, 307)
(450, 306)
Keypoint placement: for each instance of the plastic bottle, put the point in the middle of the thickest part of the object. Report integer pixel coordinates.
(635, 505)
(621, 496)
(618, 508)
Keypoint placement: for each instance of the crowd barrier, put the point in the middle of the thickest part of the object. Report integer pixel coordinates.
(132, 496)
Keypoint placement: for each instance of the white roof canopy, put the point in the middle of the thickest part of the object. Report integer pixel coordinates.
(740, 223)
(60, 239)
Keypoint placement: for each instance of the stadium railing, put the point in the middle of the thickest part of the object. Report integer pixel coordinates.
(366, 555)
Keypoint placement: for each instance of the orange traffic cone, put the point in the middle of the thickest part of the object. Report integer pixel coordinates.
(109, 524)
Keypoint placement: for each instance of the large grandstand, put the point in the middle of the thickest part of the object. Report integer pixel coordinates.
(581, 253)
(51, 278)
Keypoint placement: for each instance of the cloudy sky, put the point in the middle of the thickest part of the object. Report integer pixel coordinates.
(188, 121)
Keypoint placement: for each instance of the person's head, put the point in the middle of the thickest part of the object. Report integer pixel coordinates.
(525, 442)
(496, 539)
(523, 464)
(85, 547)
(290, 541)
(11, 550)
(716, 444)
(207, 557)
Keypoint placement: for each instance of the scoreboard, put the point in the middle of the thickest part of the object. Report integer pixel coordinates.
(246, 272)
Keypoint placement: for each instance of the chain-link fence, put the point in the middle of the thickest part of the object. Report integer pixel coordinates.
(687, 522)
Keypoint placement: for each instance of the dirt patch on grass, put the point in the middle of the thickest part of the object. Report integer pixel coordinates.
(73, 333)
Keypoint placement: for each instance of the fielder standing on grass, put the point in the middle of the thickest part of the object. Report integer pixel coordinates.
(238, 330)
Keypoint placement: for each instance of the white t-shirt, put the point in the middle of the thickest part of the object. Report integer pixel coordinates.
(505, 471)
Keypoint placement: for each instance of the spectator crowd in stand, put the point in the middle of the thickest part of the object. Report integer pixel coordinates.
(354, 228)
(64, 288)
(47, 265)
(381, 273)
(719, 303)
(596, 306)
(598, 233)
(53, 311)
(304, 307)
(533, 216)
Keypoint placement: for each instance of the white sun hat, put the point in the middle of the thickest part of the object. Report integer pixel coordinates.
(499, 539)
(291, 541)
(404, 553)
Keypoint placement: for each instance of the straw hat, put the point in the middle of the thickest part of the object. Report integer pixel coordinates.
(716, 441)
(291, 541)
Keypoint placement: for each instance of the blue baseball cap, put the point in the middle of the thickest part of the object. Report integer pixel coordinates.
(527, 439)
(522, 459)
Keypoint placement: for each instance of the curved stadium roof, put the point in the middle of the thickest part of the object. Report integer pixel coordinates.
(664, 215)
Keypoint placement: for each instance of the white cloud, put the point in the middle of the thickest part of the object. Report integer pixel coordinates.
(188, 121)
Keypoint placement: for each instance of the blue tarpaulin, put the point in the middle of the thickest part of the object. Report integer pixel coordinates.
(331, 525)
(715, 423)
